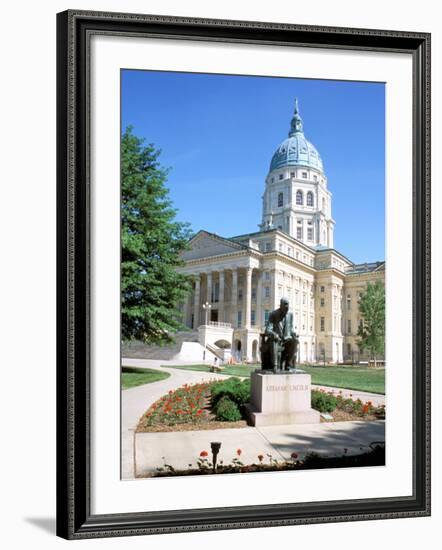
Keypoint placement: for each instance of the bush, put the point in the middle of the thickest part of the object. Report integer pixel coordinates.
(227, 410)
(323, 402)
(235, 389)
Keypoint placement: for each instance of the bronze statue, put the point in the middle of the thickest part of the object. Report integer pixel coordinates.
(279, 343)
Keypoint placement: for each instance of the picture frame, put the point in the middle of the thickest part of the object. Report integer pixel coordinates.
(75, 518)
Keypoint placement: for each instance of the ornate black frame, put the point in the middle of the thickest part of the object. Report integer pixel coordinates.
(74, 520)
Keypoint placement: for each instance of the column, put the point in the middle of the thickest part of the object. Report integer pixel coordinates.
(187, 310)
(248, 298)
(234, 314)
(209, 288)
(259, 312)
(196, 302)
(272, 289)
(284, 286)
(221, 297)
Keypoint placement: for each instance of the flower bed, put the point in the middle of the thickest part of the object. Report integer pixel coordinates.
(220, 404)
(373, 457)
(346, 408)
(185, 405)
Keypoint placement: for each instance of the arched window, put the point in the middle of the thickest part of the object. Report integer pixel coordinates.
(309, 198)
(299, 197)
(280, 199)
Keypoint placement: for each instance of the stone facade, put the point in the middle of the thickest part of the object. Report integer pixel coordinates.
(244, 277)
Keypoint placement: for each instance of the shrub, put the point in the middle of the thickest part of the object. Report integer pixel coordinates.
(227, 410)
(235, 389)
(323, 402)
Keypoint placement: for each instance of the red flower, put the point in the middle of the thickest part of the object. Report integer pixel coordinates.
(238, 452)
(294, 455)
(199, 411)
(204, 454)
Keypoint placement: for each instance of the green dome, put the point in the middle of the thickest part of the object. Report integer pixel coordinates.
(296, 150)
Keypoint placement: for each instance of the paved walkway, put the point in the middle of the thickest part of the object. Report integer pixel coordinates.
(147, 450)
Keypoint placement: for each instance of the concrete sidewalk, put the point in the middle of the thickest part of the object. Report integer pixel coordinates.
(182, 448)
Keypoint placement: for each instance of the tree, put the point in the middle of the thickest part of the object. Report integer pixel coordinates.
(372, 328)
(151, 242)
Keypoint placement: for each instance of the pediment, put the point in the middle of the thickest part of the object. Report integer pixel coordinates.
(205, 245)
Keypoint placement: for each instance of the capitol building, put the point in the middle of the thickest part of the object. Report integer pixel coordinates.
(238, 281)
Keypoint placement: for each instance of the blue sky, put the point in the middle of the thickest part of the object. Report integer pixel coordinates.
(217, 133)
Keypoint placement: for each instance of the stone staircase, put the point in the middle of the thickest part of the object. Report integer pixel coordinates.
(139, 350)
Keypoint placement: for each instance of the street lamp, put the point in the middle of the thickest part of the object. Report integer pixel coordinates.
(207, 307)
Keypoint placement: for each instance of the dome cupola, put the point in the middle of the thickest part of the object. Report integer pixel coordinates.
(296, 150)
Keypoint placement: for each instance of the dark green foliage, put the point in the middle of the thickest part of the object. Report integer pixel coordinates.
(227, 410)
(235, 389)
(372, 310)
(323, 402)
(151, 241)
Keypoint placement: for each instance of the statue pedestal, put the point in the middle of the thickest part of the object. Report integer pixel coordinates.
(281, 399)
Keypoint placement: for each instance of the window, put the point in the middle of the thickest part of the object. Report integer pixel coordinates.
(348, 326)
(315, 177)
(322, 289)
(309, 233)
(290, 251)
(348, 303)
(280, 247)
(304, 175)
(348, 349)
(267, 275)
(298, 236)
(299, 197)
(254, 293)
(240, 294)
(323, 205)
(280, 199)
(303, 298)
(322, 302)
(268, 247)
(273, 179)
(309, 198)
(279, 291)
(253, 317)
(266, 316)
(281, 176)
(292, 174)
(239, 318)
(297, 252)
(267, 292)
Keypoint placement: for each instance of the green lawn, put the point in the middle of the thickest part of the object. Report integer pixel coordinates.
(132, 377)
(351, 378)
(348, 377)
